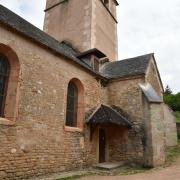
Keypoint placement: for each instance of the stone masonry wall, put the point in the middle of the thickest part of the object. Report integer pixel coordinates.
(117, 139)
(154, 139)
(127, 95)
(148, 151)
(117, 144)
(156, 131)
(86, 24)
(170, 126)
(157, 134)
(104, 31)
(153, 78)
(39, 143)
(168, 117)
(125, 145)
(74, 17)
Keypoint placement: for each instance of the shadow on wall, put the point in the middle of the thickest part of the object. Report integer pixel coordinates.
(178, 129)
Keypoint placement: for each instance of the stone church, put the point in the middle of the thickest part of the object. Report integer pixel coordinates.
(66, 101)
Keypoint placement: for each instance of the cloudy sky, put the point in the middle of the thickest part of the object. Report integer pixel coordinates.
(145, 26)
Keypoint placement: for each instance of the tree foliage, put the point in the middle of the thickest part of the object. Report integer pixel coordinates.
(173, 100)
(167, 90)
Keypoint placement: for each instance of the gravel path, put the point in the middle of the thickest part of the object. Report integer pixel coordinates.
(168, 173)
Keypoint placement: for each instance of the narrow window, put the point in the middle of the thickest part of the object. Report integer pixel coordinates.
(4, 76)
(72, 102)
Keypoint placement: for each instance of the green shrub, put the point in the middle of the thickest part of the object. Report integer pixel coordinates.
(173, 100)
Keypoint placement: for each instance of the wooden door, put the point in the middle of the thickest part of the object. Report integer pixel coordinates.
(102, 145)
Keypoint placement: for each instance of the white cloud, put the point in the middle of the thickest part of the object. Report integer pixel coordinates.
(31, 10)
(144, 27)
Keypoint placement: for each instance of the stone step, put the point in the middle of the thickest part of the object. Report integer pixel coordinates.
(109, 165)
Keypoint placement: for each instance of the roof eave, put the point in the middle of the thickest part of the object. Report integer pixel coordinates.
(158, 72)
(135, 76)
(93, 51)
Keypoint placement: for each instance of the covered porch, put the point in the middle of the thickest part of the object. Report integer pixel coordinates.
(109, 129)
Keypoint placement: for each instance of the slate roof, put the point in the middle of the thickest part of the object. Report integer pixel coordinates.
(107, 115)
(93, 51)
(127, 67)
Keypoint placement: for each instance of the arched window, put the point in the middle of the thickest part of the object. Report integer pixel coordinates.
(72, 102)
(4, 76)
(75, 104)
(9, 85)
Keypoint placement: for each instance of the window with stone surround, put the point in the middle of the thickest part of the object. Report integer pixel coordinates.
(9, 85)
(75, 104)
(71, 110)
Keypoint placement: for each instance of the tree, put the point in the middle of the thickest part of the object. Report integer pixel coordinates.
(167, 90)
(173, 100)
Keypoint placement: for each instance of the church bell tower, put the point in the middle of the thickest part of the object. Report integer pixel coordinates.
(86, 24)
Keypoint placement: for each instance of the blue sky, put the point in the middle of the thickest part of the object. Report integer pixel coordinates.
(145, 26)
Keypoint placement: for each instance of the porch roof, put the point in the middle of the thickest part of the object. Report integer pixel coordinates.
(107, 115)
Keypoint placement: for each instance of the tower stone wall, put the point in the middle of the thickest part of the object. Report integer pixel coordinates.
(86, 24)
